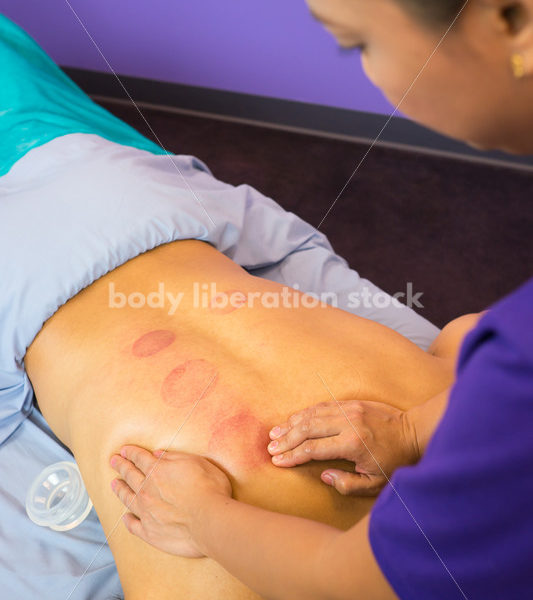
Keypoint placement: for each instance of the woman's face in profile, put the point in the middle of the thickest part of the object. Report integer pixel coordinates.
(459, 84)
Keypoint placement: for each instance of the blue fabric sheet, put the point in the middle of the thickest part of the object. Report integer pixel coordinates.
(36, 562)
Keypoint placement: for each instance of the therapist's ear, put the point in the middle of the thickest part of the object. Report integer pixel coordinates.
(514, 19)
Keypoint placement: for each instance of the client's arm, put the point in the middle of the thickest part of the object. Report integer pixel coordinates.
(183, 506)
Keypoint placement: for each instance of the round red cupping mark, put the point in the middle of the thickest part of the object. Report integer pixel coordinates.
(189, 383)
(241, 439)
(228, 301)
(152, 342)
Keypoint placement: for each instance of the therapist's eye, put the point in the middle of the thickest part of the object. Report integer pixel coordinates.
(351, 48)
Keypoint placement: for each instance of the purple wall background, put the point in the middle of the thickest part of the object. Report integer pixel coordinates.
(265, 47)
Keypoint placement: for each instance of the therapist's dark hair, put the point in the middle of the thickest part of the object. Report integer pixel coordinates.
(433, 12)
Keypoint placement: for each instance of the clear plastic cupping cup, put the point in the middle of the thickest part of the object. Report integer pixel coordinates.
(57, 498)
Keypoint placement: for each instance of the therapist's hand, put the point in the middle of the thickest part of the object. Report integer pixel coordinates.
(165, 492)
(377, 437)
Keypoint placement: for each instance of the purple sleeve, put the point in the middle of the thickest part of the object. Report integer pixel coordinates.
(460, 523)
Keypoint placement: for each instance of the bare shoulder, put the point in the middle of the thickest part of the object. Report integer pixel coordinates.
(449, 341)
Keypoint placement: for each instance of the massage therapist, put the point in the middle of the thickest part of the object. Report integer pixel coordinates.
(458, 522)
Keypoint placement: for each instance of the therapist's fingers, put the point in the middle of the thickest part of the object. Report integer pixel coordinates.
(318, 411)
(171, 455)
(125, 494)
(141, 458)
(134, 525)
(307, 428)
(330, 448)
(168, 539)
(129, 472)
(353, 484)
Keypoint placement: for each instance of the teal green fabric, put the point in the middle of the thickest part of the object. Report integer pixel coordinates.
(39, 102)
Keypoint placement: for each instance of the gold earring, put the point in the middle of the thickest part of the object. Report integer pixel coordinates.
(517, 65)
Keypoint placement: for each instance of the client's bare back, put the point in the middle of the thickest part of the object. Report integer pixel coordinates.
(209, 379)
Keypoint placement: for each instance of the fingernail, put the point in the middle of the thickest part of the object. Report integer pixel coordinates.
(273, 445)
(328, 478)
(158, 453)
(113, 484)
(123, 452)
(113, 461)
(278, 458)
(275, 432)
